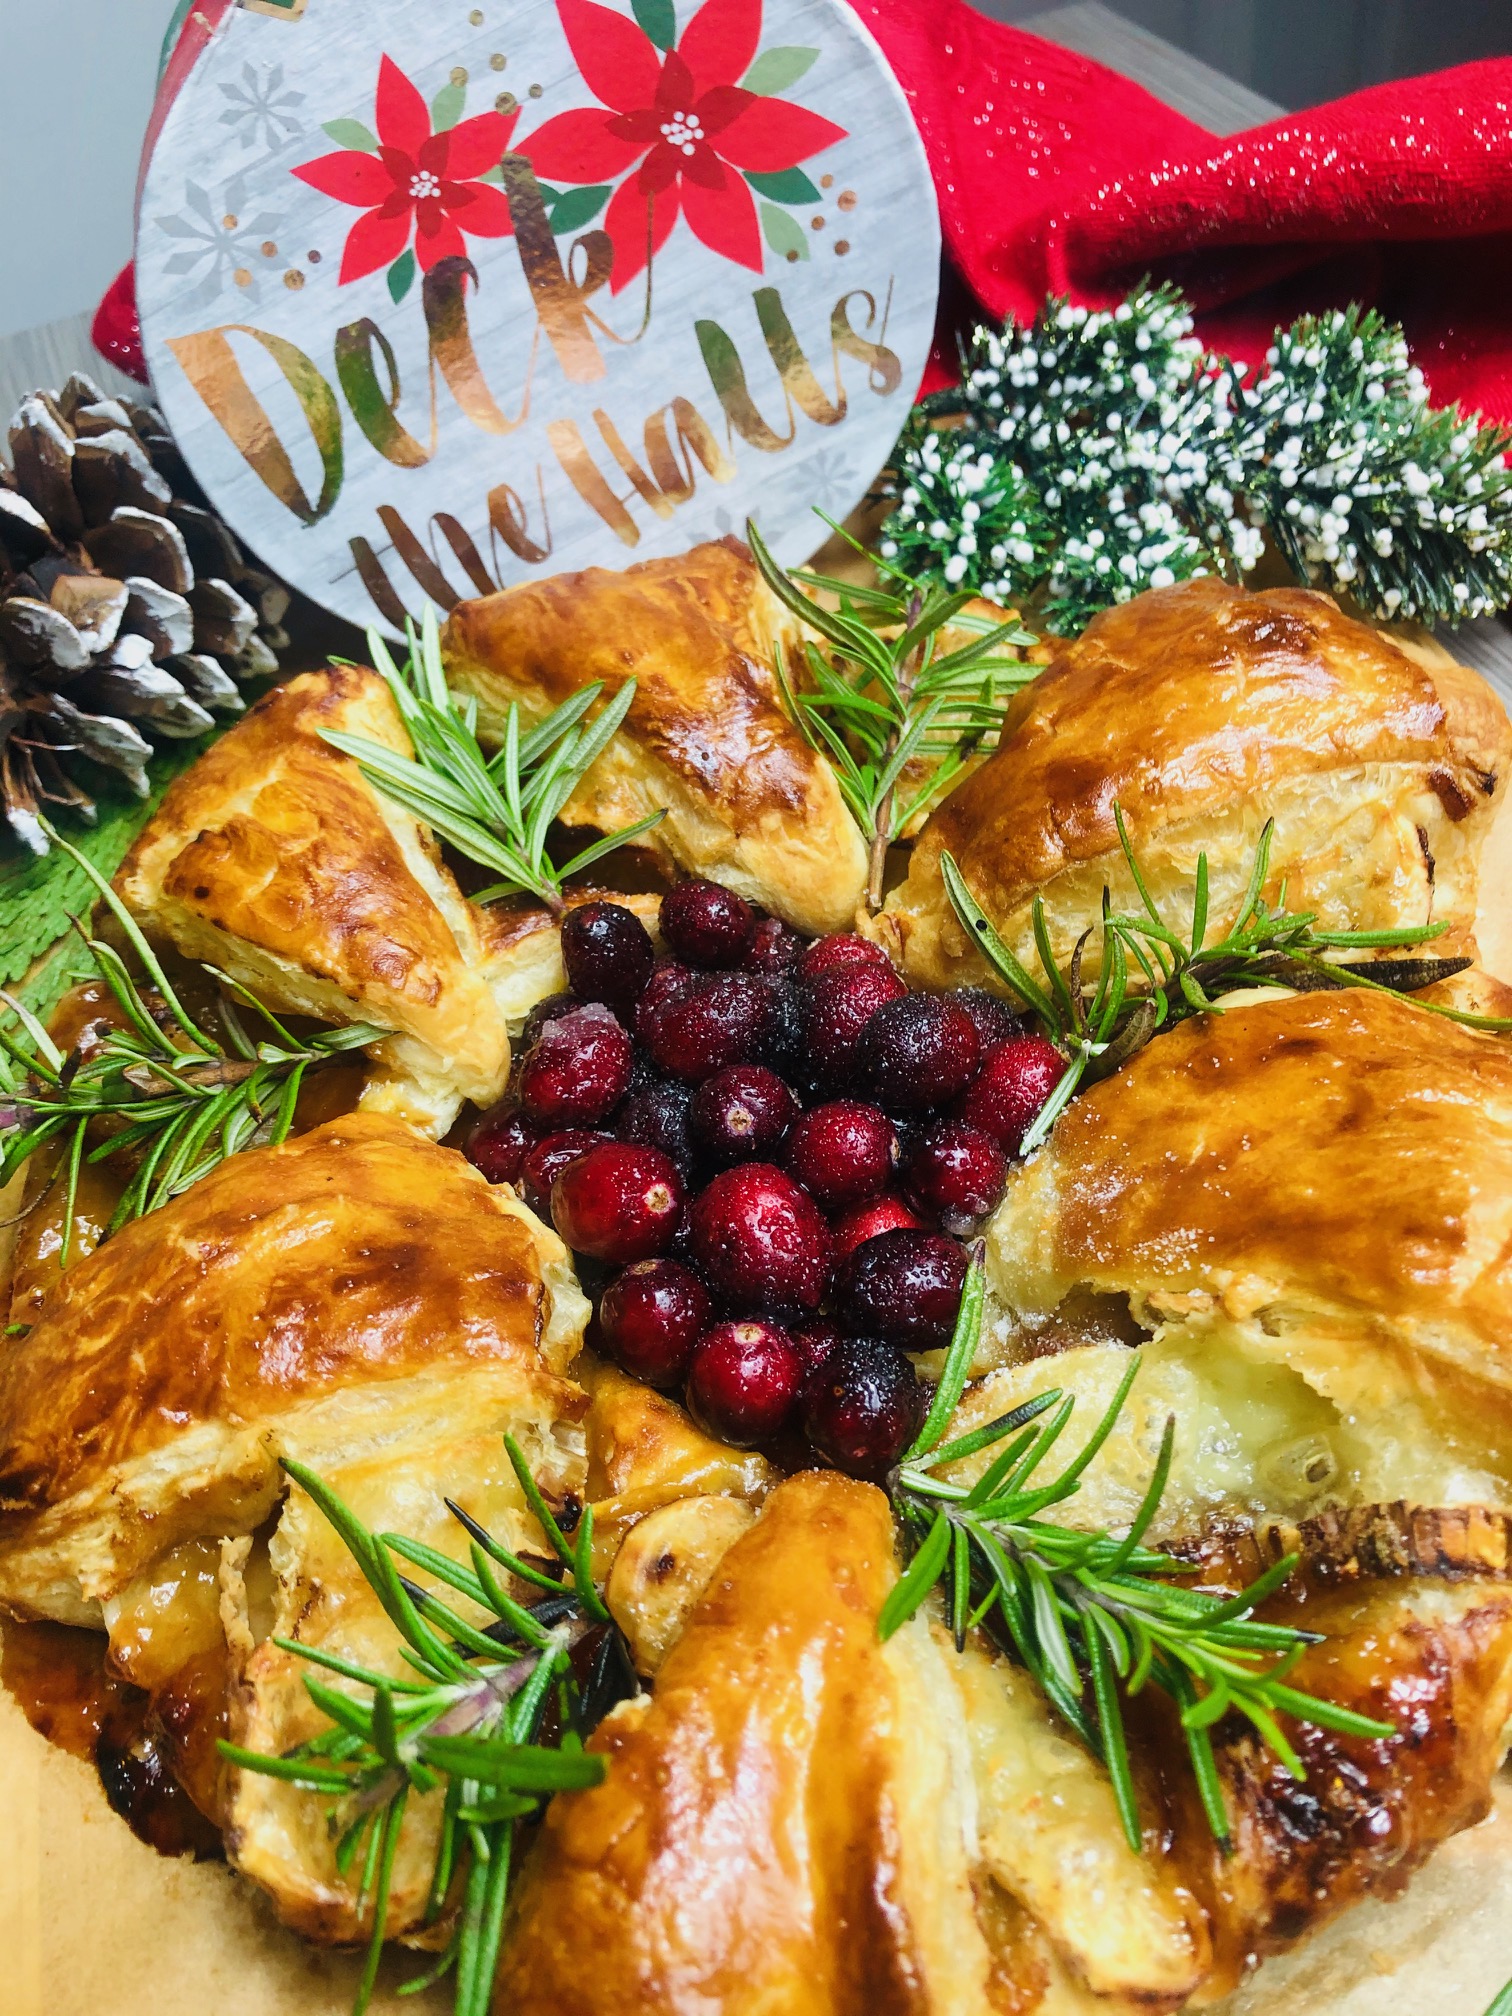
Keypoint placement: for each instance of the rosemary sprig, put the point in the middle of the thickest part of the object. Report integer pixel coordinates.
(472, 1723)
(162, 1093)
(1092, 1616)
(1153, 973)
(498, 811)
(884, 696)
(1502, 2006)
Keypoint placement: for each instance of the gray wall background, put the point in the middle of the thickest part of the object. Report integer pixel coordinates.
(76, 82)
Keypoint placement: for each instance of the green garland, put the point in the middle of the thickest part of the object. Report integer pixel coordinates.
(1101, 452)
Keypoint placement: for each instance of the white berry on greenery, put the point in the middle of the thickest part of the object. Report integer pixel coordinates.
(1102, 452)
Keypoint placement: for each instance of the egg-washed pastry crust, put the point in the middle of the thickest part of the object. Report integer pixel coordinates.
(707, 738)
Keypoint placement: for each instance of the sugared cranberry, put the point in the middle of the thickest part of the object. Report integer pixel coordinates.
(863, 1406)
(552, 1009)
(744, 1381)
(957, 1174)
(760, 1239)
(870, 1221)
(607, 952)
(722, 1019)
(657, 1117)
(773, 949)
(1015, 1080)
(904, 1287)
(815, 1342)
(669, 979)
(840, 948)
(741, 1114)
(707, 925)
(843, 1153)
(499, 1143)
(650, 1318)
(918, 1052)
(618, 1202)
(995, 1020)
(578, 1071)
(549, 1157)
(836, 1009)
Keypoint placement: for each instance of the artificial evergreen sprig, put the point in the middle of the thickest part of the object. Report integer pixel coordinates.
(474, 1723)
(163, 1095)
(1092, 1616)
(1153, 973)
(884, 698)
(497, 811)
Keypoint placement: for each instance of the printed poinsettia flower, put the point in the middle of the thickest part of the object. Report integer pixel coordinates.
(681, 120)
(417, 178)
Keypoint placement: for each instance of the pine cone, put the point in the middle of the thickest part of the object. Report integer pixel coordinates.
(127, 609)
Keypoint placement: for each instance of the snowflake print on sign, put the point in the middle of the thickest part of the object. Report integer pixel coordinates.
(682, 124)
(412, 176)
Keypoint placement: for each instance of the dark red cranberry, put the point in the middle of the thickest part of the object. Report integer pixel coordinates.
(995, 1020)
(1015, 1080)
(918, 1052)
(863, 1406)
(707, 925)
(843, 1153)
(657, 1117)
(722, 1019)
(904, 1287)
(744, 1380)
(578, 1070)
(669, 979)
(618, 1202)
(552, 1009)
(499, 1143)
(836, 1008)
(870, 1221)
(815, 1342)
(957, 1174)
(840, 948)
(650, 1318)
(549, 1157)
(607, 952)
(760, 1239)
(784, 1045)
(741, 1114)
(773, 949)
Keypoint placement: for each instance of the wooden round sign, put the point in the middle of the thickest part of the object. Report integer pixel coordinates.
(437, 296)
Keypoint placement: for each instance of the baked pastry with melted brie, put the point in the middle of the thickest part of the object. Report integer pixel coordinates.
(707, 739)
(274, 859)
(1202, 711)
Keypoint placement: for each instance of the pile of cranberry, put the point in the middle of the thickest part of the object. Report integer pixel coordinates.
(779, 1147)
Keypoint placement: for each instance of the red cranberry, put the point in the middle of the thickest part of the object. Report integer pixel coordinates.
(549, 1157)
(744, 1381)
(918, 1052)
(957, 1174)
(843, 1153)
(904, 1287)
(995, 1020)
(760, 1239)
(815, 1342)
(722, 1019)
(578, 1071)
(1015, 1080)
(607, 952)
(618, 1202)
(773, 949)
(840, 948)
(670, 979)
(870, 1221)
(741, 1114)
(784, 1045)
(552, 1009)
(657, 1117)
(836, 1008)
(862, 1407)
(651, 1317)
(499, 1143)
(707, 925)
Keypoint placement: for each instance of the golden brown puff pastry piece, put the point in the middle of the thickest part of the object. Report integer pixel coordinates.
(748, 802)
(1203, 710)
(784, 1824)
(274, 859)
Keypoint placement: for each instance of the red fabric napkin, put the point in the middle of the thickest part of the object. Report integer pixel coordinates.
(1057, 175)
